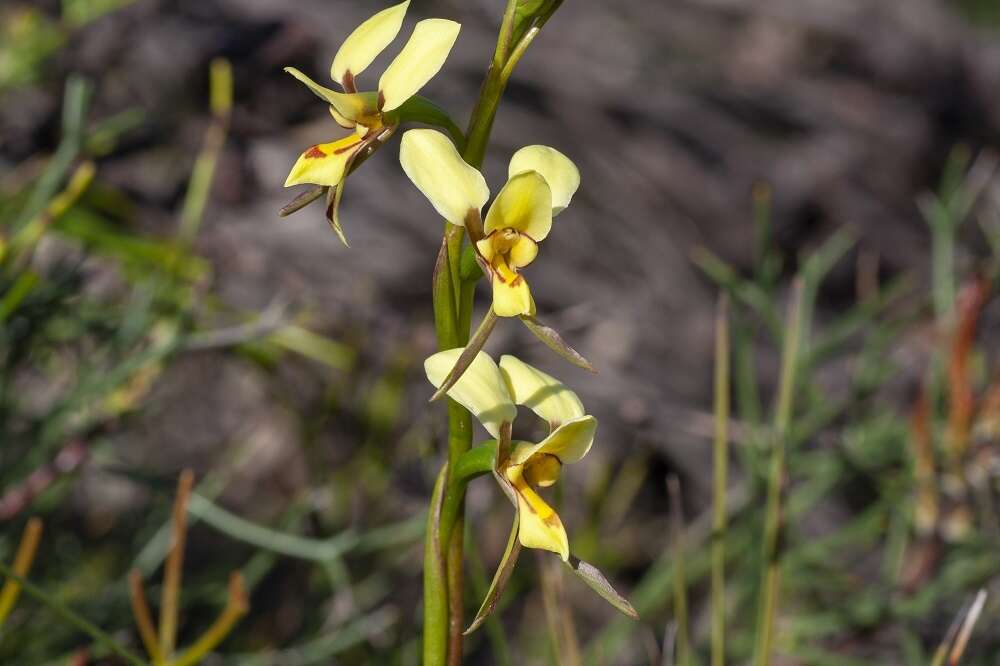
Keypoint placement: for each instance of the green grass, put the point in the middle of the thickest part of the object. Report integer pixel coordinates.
(759, 569)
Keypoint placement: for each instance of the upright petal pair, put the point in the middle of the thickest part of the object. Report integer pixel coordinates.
(373, 115)
(541, 182)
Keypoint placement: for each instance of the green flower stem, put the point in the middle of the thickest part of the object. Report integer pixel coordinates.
(453, 302)
(478, 135)
(435, 583)
(476, 461)
(456, 585)
(454, 236)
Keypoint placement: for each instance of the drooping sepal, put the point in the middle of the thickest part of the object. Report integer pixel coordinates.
(596, 581)
(500, 578)
(551, 339)
(333, 197)
(302, 200)
(468, 355)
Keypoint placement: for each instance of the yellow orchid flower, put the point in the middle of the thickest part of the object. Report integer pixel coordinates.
(492, 392)
(541, 182)
(375, 115)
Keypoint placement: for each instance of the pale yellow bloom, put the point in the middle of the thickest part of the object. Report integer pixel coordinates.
(373, 115)
(541, 184)
(433, 164)
(492, 392)
(482, 389)
(558, 171)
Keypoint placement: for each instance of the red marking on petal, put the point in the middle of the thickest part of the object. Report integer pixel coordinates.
(348, 82)
(347, 148)
(313, 153)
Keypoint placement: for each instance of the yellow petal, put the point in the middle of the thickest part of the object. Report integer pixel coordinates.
(524, 252)
(519, 253)
(540, 526)
(543, 470)
(421, 58)
(485, 247)
(341, 120)
(569, 442)
(481, 388)
(540, 392)
(524, 204)
(452, 186)
(368, 40)
(511, 296)
(558, 171)
(324, 164)
(349, 106)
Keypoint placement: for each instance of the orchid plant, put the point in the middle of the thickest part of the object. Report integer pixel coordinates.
(445, 168)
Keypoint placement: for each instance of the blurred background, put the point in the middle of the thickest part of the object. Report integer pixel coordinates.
(158, 315)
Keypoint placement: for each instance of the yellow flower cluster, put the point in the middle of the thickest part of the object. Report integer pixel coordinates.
(541, 183)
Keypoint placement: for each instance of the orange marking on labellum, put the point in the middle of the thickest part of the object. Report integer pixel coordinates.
(347, 148)
(314, 152)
